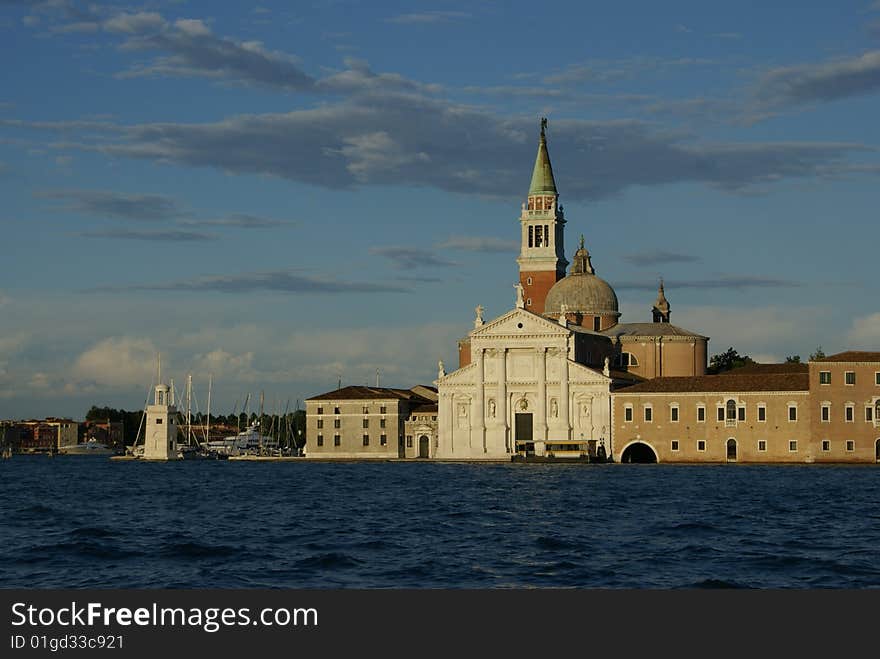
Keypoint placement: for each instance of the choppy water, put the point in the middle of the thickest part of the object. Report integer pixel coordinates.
(79, 522)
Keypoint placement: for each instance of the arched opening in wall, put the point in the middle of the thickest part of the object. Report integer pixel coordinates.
(731, 450)
(877, 449)
(423, 446)
(639, 452)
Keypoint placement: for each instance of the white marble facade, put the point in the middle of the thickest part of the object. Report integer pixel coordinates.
(521, 389)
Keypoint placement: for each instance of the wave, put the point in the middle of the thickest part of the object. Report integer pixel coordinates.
(330, 561)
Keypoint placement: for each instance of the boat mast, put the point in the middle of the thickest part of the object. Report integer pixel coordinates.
(189, 382)
(208, 426)
(262, 394)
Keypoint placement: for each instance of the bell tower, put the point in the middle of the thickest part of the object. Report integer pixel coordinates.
(660, 310)
(542, 247)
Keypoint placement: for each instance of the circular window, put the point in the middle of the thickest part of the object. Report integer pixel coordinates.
(519, 325)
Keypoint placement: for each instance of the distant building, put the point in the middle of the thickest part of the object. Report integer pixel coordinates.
(845, 407)
(110, 433)
(420, 431)
(745, 415)
(44, 435)
(364, 422)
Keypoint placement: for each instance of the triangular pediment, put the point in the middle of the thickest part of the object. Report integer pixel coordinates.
(585, 373)
(520, 322)
(461, 375)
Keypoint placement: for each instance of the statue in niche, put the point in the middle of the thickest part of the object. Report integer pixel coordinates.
(554, 408)
(585, 410)
(492, 408)
(462, 410)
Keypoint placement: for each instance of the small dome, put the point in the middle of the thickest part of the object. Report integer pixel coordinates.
(582, 291)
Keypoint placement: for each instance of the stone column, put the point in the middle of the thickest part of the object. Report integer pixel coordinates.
(563, 395)
(501, 403)
(541, 415)
(450, 414)
(478, 412)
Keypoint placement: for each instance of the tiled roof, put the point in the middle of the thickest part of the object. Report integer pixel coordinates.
(724, 382)
(852, 356)
(354, 392)
(648, 329)
(425, 409)
(758, 369)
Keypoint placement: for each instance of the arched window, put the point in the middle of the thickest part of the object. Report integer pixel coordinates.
(731, 410)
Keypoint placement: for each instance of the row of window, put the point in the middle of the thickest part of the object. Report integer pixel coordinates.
(382, 409)
(337, 440)
(849, 377)
(762, 445)
(729, 412)
(337, 423)
(849, 413)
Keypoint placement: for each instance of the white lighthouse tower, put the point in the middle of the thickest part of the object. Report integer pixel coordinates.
(160, 437)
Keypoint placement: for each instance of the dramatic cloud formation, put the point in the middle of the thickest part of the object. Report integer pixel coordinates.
(829, 81)
(120, 205)
(410, 258)
(407, 139)
(281, 281)
(479, 244)
(658, 257)
(195, 51)
(360, 78)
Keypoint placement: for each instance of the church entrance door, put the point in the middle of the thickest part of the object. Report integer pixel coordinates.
(523, 426)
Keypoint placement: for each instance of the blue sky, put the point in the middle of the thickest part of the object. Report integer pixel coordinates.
(281, 196)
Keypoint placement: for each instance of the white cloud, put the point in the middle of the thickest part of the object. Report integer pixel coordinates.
(134, 23)
(192, 27)
(117, 361)
(865, 332)
(764, 332)
(825, 81)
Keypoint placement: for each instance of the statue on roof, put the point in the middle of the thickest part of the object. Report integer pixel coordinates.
(478, 321)
(520, 303)
(441, 372)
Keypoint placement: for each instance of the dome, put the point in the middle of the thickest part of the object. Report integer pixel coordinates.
(582, 291)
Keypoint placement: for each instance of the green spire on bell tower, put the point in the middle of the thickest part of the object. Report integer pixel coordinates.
(542, 176)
